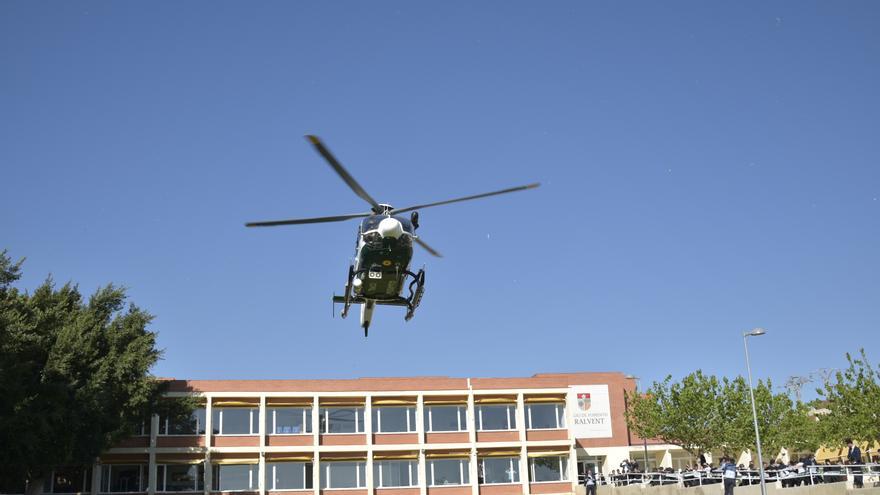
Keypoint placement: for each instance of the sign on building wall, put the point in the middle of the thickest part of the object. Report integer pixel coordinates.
(590, 411)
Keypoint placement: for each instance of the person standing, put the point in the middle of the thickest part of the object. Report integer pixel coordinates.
(854, 456)
(590, 482)
(728, 473)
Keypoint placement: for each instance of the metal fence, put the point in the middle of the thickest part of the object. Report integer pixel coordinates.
(786, 477)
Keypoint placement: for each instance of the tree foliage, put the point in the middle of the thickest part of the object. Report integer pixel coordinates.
(683, 413)
(704, 413)
(852, 401)
(74, 374)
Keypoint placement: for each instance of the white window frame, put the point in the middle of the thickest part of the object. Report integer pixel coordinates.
(51, 488)
(271, 475)
(563, 469)
(358, 425)
(142, 483)
(410, 419)
(163, 426)
(358, 466)
(458, 413)
(252, 474)
(513, 462)
(463, 467)
(413, 465)
(560, 416)
(164, 469)
(307, 421)
(144, 429)
(511, 417)
(253, 412)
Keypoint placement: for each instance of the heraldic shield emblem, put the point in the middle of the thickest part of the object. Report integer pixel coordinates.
(584, 402)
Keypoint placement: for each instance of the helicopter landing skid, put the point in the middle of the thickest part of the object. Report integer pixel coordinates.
(416, 290)
(415, 295)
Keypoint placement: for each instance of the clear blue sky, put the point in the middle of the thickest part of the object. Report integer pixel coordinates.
(707, 167)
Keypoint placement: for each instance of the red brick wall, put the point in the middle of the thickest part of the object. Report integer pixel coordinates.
(538, 488)
(395, 438)
(511, 489)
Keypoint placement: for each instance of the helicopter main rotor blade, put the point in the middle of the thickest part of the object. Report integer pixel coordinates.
(466, 198)
(353, 184)
(427, 248)
(300, 221)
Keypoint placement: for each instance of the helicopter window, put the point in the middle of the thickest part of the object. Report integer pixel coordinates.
(407, 225)
(372, 223)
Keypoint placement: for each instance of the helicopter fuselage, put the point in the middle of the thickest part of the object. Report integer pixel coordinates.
(384, 252)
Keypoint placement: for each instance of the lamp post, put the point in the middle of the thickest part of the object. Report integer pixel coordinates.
(755, 332)
(645, 440)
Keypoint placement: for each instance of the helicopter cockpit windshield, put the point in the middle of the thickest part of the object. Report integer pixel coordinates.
(372, 223)
(372, 231)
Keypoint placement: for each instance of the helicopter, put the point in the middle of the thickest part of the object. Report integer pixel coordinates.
(380, 270)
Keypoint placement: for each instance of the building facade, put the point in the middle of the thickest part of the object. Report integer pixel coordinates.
(378, 436)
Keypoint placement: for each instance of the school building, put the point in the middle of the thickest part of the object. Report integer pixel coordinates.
(379, 436)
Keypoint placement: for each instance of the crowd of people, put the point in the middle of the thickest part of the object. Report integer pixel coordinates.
(804, 470)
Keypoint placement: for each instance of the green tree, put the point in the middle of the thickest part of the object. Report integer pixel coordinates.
(74, 375)
(853, 403)
(703, 413)
(782, 422)
(684, 413)
(736, 427)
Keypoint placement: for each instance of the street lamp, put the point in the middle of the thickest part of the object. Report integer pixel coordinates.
(756, 332)
(645, 440)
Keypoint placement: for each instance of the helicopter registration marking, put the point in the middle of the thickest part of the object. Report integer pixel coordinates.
(374, 275)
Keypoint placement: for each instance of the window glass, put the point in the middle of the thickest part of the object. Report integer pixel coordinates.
(288, 475)
(142, 429)
(68, 480)
(14, 485)
(448, 471)
(543, 416)
(181, 477)
(288, 420)
(122, 478)
(497, 417)
(235, 477)
(395, 473)
(194, 425)
(343, 474)
(236, 420)
(342, 419)
(549, 468)
(445, 418)
(394, 419)
(500, 469)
